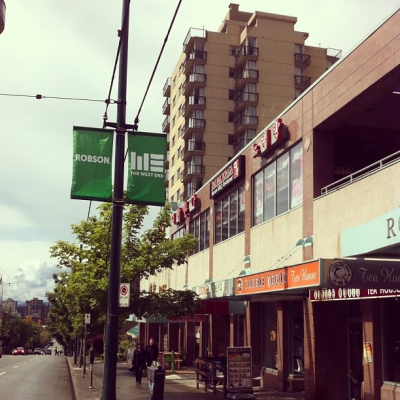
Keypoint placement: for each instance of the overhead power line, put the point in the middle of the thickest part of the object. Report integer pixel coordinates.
(156, 65)
(40, 97)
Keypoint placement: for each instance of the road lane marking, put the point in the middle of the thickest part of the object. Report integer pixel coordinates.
(2, 373)
(17, 366)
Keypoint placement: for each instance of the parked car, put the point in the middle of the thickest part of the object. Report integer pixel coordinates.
(28, 351)
(47, 352)
(19, 351)
(37, 350)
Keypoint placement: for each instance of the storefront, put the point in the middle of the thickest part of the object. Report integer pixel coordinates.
(327, 190)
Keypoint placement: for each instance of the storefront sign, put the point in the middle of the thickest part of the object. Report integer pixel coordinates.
(381, 232)
(270, 138)
(239, 369)
(294, 277)
(194, 318)
(367, 353)
(325, 294)
(229, 175)
(366, 274)
(215, 289)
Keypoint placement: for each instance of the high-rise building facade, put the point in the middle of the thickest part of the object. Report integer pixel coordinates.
(228, 85)
(35, 309)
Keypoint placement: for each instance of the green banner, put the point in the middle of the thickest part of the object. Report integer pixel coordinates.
(92, 164)
(147, 153)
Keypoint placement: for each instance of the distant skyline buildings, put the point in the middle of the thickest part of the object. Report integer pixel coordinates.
(36, 309)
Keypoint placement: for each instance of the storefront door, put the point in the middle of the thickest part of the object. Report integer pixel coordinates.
(355, 366)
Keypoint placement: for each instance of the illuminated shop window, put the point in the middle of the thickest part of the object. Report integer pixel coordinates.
(229, 215)
(278, 187)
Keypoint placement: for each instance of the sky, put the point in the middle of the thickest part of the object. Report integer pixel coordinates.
(67, 49)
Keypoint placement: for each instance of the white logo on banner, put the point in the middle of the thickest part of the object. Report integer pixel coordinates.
(148, 162)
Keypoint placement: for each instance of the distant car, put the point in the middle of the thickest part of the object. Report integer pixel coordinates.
(37, 350)
(47, 352)
(29, 351)
(19, 351)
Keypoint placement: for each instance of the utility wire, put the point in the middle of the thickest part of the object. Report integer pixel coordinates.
(156, 65)
(40, 97)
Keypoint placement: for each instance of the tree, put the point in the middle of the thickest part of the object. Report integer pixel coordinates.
(82, 285)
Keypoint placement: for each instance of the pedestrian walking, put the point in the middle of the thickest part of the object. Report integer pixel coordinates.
(139, 362)
(152, 352)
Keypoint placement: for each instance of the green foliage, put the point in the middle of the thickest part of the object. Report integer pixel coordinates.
(82, 284)
(18, 332)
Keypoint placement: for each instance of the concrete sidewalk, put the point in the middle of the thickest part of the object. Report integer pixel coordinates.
(178, 386)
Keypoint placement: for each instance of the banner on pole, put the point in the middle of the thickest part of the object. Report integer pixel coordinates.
(92, 164)
(147, 154)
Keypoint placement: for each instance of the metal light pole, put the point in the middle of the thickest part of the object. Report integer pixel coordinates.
(111, 344)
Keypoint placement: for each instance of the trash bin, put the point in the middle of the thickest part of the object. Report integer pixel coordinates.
(156, 378)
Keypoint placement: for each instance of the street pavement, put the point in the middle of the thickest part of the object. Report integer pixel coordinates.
(178, 386)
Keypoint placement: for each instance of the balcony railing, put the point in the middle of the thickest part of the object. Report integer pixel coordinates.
(194, 79)
(195, 123)
(193, 102)
(246, 121)
(188, 193)
(192, 34)
(302, 60)
(245, 98)
(192, 169)
(194, 57)
(192, 148)
(165, 125)
(247, 52)
(246, 75)
(166, 106)
(302, 82)
(167, 88)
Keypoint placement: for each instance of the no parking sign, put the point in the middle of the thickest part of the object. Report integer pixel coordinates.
(124, 291)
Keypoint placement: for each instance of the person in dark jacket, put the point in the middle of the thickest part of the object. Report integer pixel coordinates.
(139, 362)
(151, 352)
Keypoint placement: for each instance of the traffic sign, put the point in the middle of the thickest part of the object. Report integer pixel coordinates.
(87, 319)
(124, 292)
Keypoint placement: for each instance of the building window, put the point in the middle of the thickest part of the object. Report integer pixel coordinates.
(178, 234)
(231, 117)
(231, 95)
(172, 180)
(199, 227)
(229, 215)
(278, 187)
(172, 161)
(232, 72)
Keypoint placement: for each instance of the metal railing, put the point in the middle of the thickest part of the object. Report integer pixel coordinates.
(362, 173)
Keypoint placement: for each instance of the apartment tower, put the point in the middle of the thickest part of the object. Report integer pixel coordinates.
(227, 86)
